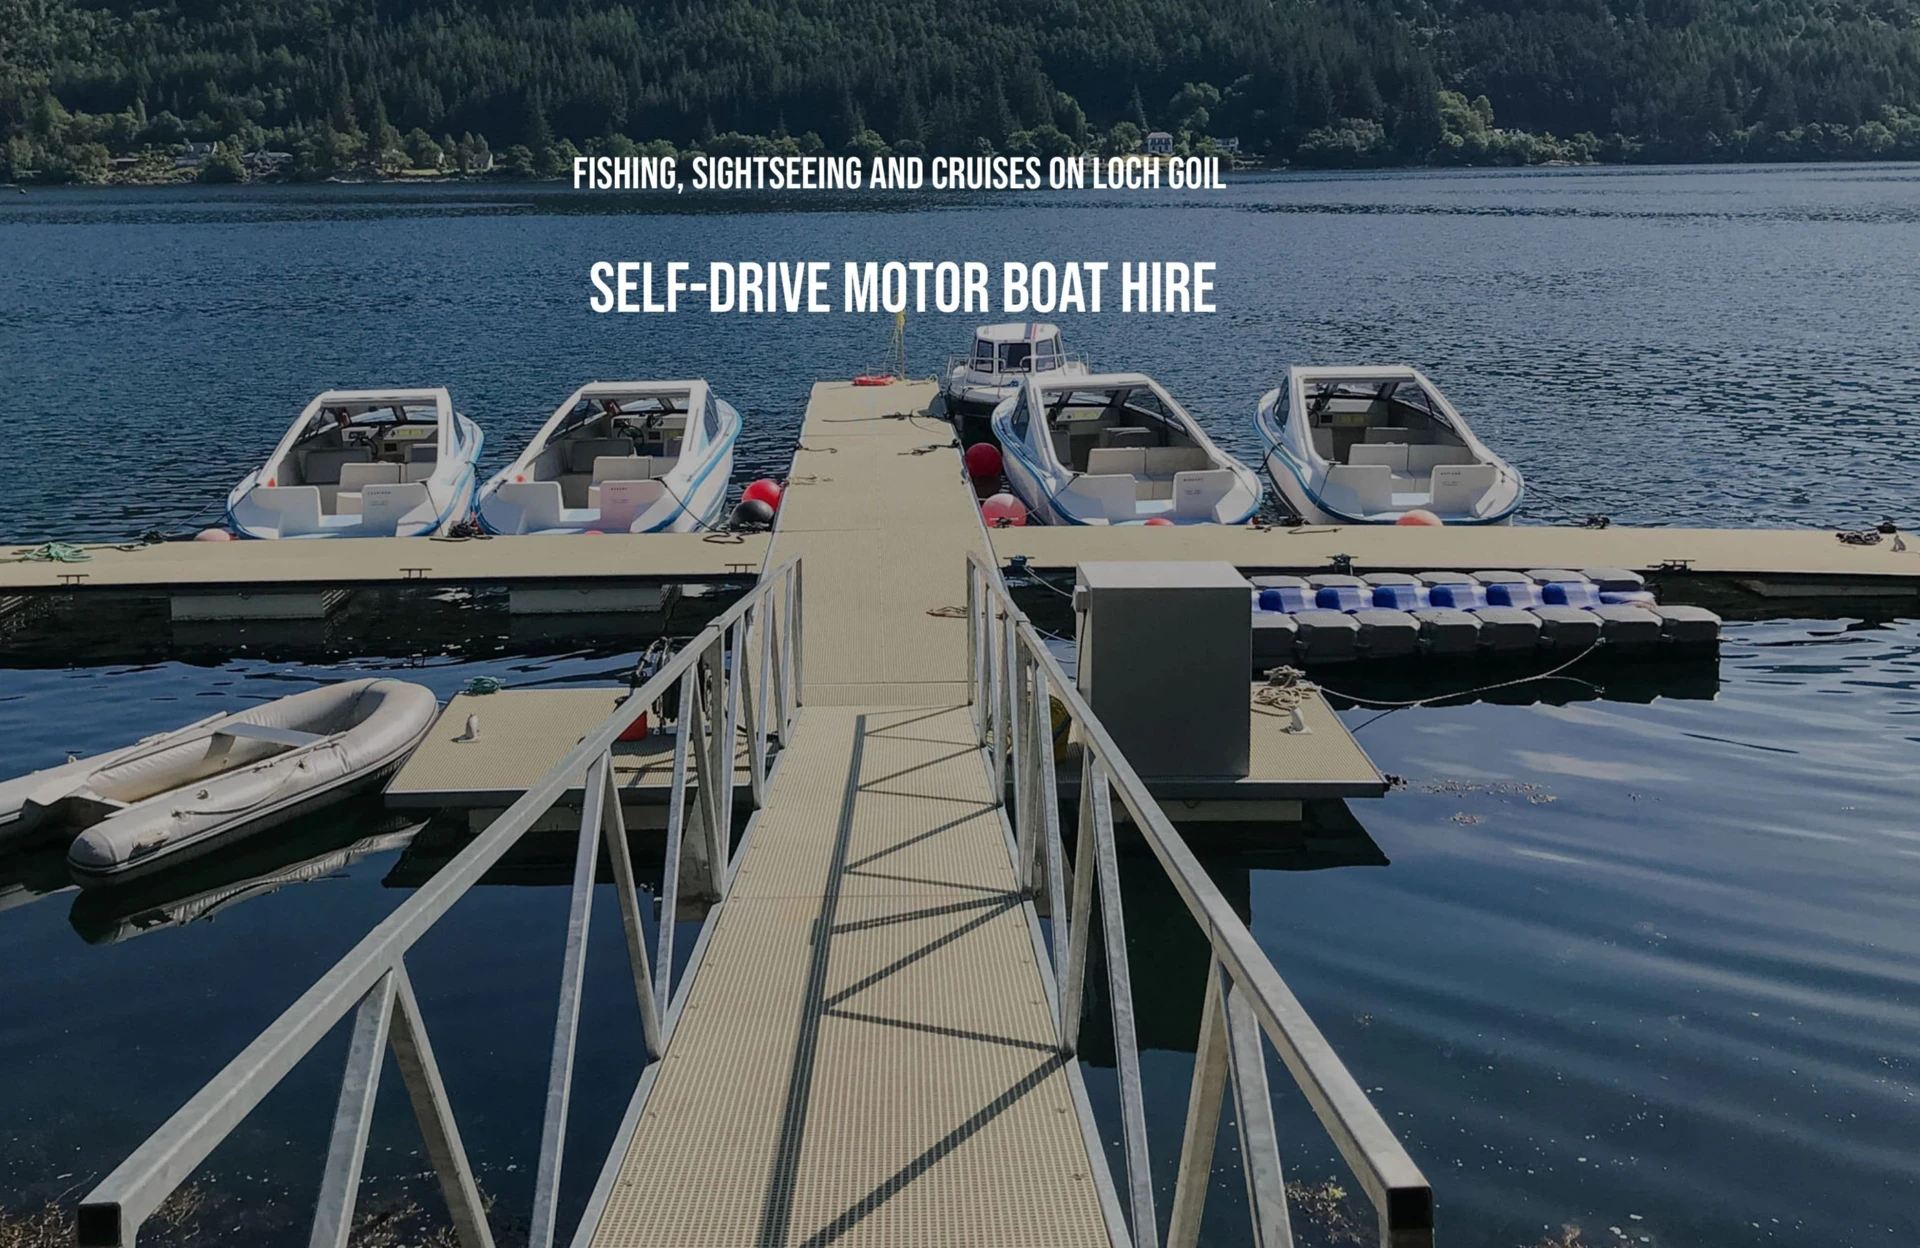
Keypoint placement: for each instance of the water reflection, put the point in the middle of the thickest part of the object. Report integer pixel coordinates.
(318, 846)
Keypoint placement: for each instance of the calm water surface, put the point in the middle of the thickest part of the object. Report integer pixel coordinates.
(1645, 965)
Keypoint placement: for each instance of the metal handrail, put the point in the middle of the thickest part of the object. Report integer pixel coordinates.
(759, 688)
(1011, 681)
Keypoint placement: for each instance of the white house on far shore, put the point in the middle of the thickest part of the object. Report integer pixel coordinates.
(1159, 143)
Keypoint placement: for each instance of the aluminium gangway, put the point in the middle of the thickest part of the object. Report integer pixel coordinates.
(874, 1038)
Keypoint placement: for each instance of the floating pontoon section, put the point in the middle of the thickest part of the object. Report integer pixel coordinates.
(1384, 616)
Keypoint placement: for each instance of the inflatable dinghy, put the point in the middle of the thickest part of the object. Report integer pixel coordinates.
(180, 794)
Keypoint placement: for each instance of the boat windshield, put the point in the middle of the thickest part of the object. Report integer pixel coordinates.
(1016, 357)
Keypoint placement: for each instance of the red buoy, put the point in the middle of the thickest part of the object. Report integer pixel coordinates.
(762, 491)
(1159, 520)
(1004, 511)
(983, 460)
(1419, 516)
(213, 535)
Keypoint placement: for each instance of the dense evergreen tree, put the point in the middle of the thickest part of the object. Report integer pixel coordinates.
(347, 85)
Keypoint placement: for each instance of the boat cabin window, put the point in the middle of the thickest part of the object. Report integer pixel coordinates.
(1342, 415)
(1126, 417)
(710, 420)
(1046, 355)
(1016, 357)
(983, 354)
(347, 446)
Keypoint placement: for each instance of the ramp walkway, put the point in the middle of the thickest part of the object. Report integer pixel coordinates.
(868, 1048)
(874, 1040)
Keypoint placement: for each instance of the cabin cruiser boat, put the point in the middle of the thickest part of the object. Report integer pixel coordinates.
(363, 463)
(1003, 356)
(620, 457)
(179, 794)
(1368, 445)
(1114, 448)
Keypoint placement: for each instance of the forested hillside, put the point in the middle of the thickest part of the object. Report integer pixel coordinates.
(355, 85)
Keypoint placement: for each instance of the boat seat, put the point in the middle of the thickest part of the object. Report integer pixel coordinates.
(383, 508)
(1196, 494)
(422, 462)
(356, 477)
(1126, 436)
(1110, 495)
(539, 503)
(1457, 487)
(267, 732)
(1422, 460)
(1392, 454)
(1166, 461)
(1105, 461)
(582, 452)
(618, 468)
(1360, 488)
(322, 466)
(298, 507)
(621, 501)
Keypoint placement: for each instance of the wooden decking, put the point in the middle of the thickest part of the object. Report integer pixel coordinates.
(866, 1049)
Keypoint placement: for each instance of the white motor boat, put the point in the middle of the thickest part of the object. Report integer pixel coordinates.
(1114, 448)
(180, 794)
(1003, 357)
(1368, 445)
(620, 457)
(364, 463)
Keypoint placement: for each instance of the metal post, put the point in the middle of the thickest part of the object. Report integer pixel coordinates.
(1047, 796)
(614, 825)
(733, 671)
(359, 1087)
(1204, 1098)
(566, 1025)
(716, 778)
(797, 594)
(1253, 1110)
(676, 839)
(1024, 774)
(1126, 1046)
(414, 1055)
(973, 651)
(1095, 808)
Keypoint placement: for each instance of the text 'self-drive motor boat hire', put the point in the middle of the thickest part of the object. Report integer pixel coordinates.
(364, 463)
(620, 457)
(180, 794)
(1003, 357)
(1114, 448)
(1368, 445)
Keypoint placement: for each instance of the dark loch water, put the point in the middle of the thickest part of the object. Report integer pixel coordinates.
(1664, 346)
(1646, 964)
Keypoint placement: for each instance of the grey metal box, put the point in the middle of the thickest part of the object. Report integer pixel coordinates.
(1164, 655)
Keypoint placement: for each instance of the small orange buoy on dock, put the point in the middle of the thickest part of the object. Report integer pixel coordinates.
(1159, 520)
(1420, 516)
(213, 535)
(873, 379)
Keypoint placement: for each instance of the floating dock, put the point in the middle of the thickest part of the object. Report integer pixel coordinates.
(866, 1046)
(864, 1051)
(522, 735)
(1770, 569)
